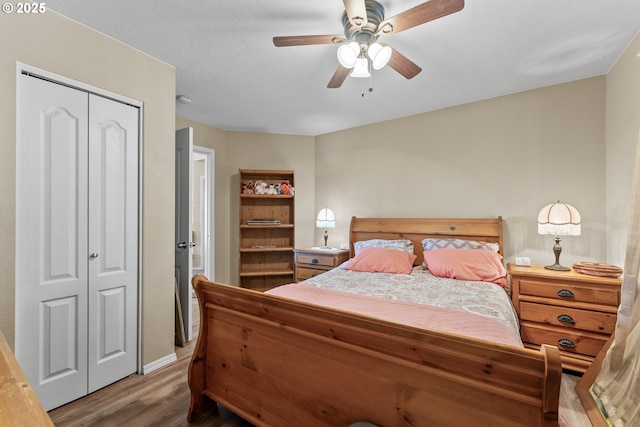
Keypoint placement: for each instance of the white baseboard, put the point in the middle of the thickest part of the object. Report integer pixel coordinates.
(160, 363)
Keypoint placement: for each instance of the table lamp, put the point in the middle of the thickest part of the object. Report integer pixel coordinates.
(326, 220)
(559, 219)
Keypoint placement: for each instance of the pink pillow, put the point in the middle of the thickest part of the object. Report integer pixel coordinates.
(465, 264)
(382, 260)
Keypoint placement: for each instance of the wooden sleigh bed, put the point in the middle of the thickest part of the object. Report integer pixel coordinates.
(280, 362)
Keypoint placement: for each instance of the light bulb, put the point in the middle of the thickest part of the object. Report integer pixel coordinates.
(348, 53)
(361, 69)
(379, 55)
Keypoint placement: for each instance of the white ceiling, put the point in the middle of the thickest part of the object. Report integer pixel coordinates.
(238, 80)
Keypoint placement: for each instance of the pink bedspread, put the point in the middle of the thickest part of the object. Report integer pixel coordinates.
(407, 313)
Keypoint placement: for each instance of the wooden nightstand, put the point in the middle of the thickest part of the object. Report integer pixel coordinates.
(573, 311)
(310, 262)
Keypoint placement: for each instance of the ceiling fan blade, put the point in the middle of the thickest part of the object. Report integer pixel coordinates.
(420, 14)
(402, 64)
(338, 77)
(356, 11)
(283, 41)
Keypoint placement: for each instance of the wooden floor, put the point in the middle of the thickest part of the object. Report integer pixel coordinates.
(161, 398)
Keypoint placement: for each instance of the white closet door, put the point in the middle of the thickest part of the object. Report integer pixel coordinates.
(113, 241)
(51, 243)
(76, 240)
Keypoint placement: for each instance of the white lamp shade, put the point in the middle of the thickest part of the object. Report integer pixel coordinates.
(559, 219)
(348, 53)
(361, 69)
(326, 219)
(379, 55)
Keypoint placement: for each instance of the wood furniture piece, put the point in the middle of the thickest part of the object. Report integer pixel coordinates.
(19, 405)
(583, 387)
(310, 262)
(573, 311)
(277, 361)
(266, 235)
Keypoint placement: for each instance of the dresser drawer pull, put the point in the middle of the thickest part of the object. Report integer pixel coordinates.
(565, 318)
(566, 342)
(314, 260)
(566, 293)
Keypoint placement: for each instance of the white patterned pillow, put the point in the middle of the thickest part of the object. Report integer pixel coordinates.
(398, 245)
(430, 244)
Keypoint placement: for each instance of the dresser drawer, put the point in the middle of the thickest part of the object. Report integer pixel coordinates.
(570, 291)
(304, 273)
(568, 317)
(566, 339)
(317, 259)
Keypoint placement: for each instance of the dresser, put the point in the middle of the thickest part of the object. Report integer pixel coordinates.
(310, 262)
(573, 311)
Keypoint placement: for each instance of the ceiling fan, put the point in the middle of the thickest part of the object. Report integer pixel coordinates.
(364, 23)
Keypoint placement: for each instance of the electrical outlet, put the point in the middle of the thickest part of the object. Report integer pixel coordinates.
(523, 261)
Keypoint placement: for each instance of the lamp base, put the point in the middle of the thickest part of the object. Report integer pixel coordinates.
(557, 267)
(556, 251)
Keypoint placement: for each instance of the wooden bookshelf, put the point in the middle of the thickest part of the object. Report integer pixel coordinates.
(267, 229)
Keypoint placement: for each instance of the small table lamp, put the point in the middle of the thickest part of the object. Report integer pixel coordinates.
(559, 219)
(326, 220)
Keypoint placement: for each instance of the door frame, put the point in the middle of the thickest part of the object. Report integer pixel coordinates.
(210, 155)
(22, 68)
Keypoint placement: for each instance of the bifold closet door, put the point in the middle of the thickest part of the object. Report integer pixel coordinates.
(113, 241)
(76, 240)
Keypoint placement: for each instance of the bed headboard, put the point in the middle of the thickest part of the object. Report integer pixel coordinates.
(417, 229)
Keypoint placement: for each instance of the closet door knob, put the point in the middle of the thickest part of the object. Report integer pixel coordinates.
(94, 255)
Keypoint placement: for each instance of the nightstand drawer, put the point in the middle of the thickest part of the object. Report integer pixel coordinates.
(565, 339)
(304, 273)
(317, 259)
(568, 317)
(568, 291)
(311, 262)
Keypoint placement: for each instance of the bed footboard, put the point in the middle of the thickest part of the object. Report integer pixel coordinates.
(275, 362)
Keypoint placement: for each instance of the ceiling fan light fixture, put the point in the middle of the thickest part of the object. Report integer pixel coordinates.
(379, 55)
(361, 69)
(348, 54)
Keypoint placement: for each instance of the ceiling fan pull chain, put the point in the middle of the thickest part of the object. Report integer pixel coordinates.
(370, 79)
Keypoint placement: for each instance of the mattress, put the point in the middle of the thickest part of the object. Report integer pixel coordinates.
(477, 309)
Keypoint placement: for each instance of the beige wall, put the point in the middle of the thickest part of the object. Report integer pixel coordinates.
(506, 156)
(249, 150)
(623, 127)
(56, 44)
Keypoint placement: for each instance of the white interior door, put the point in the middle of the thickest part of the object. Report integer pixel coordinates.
(113, 241)
(51, 239)
(76, 240)
(184, 245)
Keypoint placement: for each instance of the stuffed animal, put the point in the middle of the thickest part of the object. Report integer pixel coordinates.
(260, 187)
(272, 189)
(247, 187)
(285, 188)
